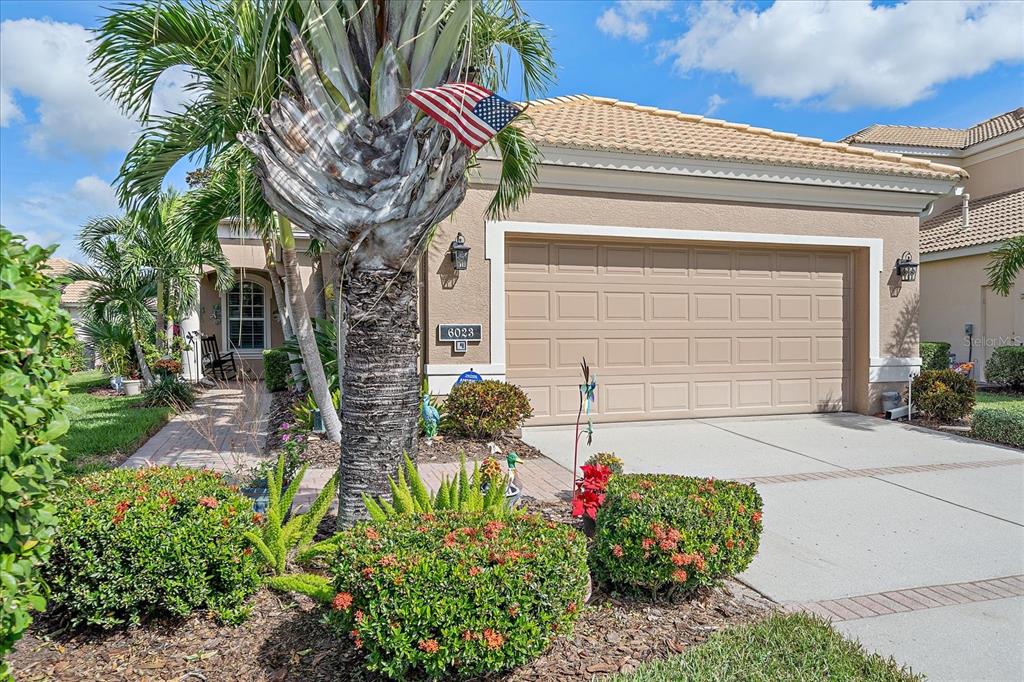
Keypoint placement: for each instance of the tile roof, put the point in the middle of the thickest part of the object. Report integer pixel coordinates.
(599, 123)
(73, 293)
(946, 138)
(994, 218)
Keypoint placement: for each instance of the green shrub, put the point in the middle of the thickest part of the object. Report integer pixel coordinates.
(1006, 366)
(457, 595)
(276, 369)
(944, 394)
(36, 339)
(608, 459)
(934, 355)
(74, 354)
(140, 542)
(669, 533)
(999, 426)
(166, 390)
(486, 409)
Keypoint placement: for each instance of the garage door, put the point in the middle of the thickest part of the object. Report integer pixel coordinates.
(677, 329)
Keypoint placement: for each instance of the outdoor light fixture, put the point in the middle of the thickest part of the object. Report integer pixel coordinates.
(460, 253)
(906, 268)
(318, 421)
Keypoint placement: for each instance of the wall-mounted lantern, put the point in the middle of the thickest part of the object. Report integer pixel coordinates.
(906, 268)
(460, 253)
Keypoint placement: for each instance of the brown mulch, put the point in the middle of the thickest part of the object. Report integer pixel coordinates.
(103, 392)
(449, 449)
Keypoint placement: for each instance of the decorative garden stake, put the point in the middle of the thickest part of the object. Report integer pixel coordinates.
(587, 398)
(431, 417)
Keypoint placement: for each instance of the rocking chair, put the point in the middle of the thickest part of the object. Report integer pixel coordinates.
(217, 363)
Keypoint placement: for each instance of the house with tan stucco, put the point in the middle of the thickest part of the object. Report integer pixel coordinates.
(960, 233)
(702, 268)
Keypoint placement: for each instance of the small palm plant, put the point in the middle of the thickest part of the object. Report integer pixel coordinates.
(283, 532)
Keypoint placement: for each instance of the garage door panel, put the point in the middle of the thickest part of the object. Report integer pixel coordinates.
(678, 331)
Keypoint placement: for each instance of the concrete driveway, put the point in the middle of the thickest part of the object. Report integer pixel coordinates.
(910, 541)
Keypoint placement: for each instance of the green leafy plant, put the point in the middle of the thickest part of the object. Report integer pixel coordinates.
(456, 595)
(167, 390)
(944, 394)
(35, 340)
(608, 459)
(462, 493)
(485, 409)
(302, 410)
(167, 367)
(999, 425)
(326, 342)
(669, 534)
(276, 369)
(1006, 367)
(282, 533)
(74, 354)
(135, 543)
(934, 355)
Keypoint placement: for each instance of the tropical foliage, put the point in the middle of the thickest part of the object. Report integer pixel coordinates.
(485, 409)
(1006, 367)
(944, 394)
(35, 337)
(1007, 262)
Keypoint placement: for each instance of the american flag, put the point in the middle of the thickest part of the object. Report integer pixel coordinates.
(473, 113)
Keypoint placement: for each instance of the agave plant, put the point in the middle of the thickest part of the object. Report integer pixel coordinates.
(343, 155)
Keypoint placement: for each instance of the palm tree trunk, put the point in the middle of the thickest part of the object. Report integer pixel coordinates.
(317, 284)
(147, 376)
(284, 311)
(381, 384)
(159, 318)
(315, 374)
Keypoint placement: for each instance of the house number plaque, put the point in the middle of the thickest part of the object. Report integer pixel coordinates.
(460, 335)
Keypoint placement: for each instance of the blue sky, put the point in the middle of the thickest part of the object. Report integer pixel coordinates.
(818, 69)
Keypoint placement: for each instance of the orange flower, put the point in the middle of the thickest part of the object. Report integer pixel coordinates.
(729, 544)
(756, 517)
(679, 575)
(429, 645)
(368, 572)
(493, 639)
(647, 543)
(247, 551)
(209, 502)
(468, 636)
(635, 496)
(387, 560)
(617, 551)
(359, 616)
(475, 570)
(90, 502)
(356, 639)
(372, 534)
(571, 607)
(713, 550)
(513, 610)
(257, 518)
(342, 601)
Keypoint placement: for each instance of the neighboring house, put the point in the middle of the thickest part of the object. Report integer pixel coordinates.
(73, 299)
(703, 268)
(961, 232)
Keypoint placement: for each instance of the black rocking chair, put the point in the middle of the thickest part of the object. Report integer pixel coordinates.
(216, 363)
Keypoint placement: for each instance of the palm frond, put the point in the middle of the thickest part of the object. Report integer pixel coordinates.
(1007, 262)
(519, 162)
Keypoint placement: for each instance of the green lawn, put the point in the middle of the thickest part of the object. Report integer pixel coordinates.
(1002, 401)
(105, 431)
(782, 647)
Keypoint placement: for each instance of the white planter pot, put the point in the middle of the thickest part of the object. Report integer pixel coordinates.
(133, 387)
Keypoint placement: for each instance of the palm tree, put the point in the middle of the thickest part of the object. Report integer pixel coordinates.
(1007, 262)
(238, 52)
(364, 172)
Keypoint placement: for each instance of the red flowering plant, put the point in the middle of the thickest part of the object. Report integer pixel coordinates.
(135, 543)
(452, 595)
(589, 493)
(661, 533)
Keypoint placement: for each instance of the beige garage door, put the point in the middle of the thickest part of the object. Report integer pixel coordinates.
(677, 329)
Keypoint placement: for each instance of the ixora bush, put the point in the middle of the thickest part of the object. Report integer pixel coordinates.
(944, 394)
(158, 541)
(934, 355)
(661, 533)
(998, 426)
(1006, 366)
(275, 369)
(35, 341)
(486, 409)
(456, 595)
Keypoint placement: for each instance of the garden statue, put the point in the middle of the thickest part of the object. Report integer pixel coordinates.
(431, 417)
(515, 486)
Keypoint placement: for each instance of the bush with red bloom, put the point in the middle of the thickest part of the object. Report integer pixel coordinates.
(170, 546)
(496, 592)
(679, 534)
(590, 489)
(342, 601)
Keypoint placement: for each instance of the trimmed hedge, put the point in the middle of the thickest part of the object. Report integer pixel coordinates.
(457, 595)
(669, 533)
(998, 426)
(275, 369)
(1006, 367)
(135, 543)
(934, 355)
(944, 394)
(485, 409)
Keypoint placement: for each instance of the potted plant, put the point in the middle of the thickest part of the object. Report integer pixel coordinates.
(133, 385)
(115, 359)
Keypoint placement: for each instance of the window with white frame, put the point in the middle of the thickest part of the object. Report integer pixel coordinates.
(247, 316)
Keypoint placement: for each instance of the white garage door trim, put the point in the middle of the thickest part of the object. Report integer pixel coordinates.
(881, 369)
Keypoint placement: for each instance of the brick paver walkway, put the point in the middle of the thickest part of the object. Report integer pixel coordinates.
(541, 477)
(224, 431)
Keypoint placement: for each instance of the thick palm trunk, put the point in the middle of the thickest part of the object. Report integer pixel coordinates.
(315, 375)
(380, 386)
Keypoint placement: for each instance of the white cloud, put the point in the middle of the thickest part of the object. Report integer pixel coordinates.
(47, 62)
(715, 102)
(628, 18)
(848, 54)
(96, 193)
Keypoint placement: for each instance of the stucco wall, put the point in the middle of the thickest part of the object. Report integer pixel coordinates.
(953, 293)
(451, 299)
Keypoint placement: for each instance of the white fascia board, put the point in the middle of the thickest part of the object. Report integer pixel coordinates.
(893, 370)
(948, 254)
(939, 154)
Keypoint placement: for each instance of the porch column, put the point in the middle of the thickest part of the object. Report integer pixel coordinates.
(191, 367)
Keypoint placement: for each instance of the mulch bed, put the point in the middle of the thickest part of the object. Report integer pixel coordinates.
(103, 392)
